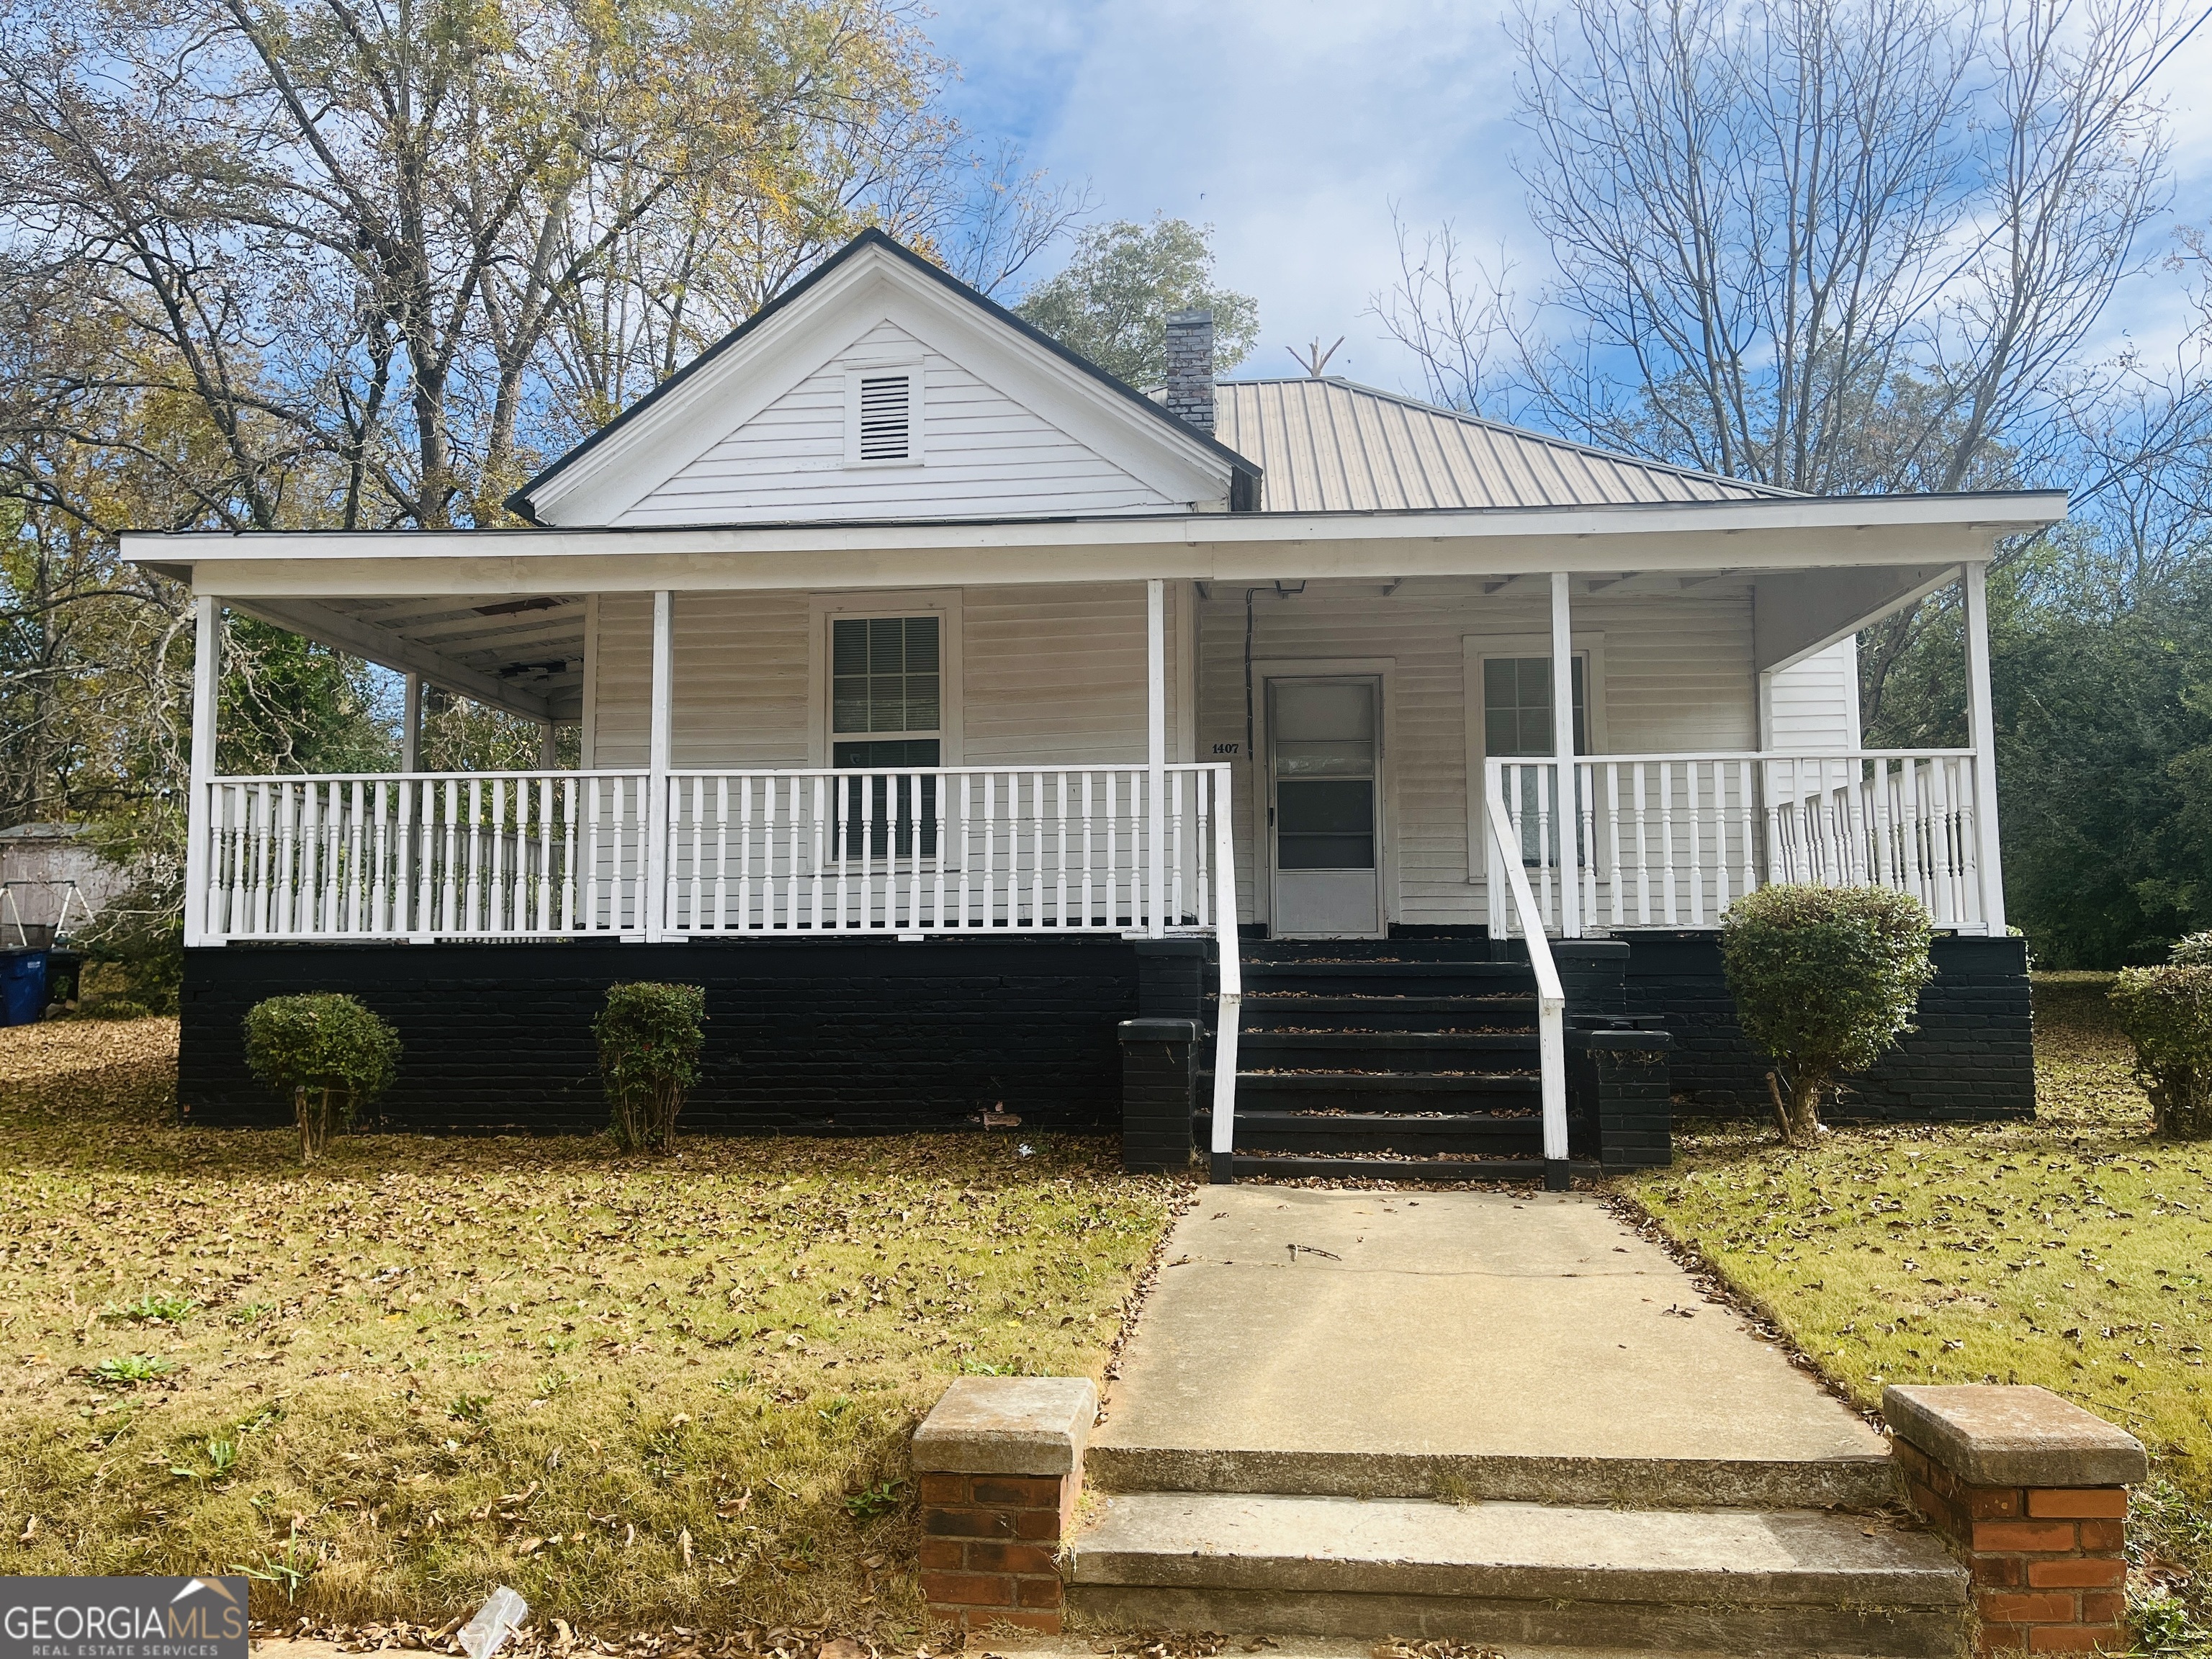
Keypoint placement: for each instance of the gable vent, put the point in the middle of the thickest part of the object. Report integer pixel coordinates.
(886, 417)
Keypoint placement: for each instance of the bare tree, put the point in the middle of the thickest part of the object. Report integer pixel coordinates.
(1835, 245)
(354, 236)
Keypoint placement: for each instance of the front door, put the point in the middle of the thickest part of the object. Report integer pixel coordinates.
(1324, 800)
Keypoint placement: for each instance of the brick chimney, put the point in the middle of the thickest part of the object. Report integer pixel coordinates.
(1190, 368)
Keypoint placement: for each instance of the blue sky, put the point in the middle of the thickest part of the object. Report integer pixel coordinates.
(1292, 126)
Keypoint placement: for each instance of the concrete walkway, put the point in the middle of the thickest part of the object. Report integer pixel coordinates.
(1526, 1346)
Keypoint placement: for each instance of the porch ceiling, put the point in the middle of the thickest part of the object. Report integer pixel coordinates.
(523, 653)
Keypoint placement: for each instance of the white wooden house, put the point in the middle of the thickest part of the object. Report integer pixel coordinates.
(891, 623)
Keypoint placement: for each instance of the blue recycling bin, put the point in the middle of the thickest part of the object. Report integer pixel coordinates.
(22, 986)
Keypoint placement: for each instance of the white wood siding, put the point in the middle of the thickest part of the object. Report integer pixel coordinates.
(985, 455)
(1055, 675)
(1813, 707)
(1677, 675)
(1051, 676)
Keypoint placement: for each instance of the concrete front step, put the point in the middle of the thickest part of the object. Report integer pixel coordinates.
(1858, 1484)
(1737, 1580)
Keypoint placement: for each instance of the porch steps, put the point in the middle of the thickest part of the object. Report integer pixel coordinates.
(1738, 1581)
(1409, 1059)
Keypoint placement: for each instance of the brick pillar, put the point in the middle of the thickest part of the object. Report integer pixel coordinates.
(2031, 1491)
(1000, 1462)
(1159, 1094)
(1634, 1098)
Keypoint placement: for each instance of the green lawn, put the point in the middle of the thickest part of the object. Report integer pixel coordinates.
(643, 1392)
(2075, 1251)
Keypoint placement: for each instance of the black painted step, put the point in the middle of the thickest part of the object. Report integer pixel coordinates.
(1260, 1011)
(1387, 975)
(1380, 1092)
(1291, 1166)
(1473, 1133)
(1424, 1050)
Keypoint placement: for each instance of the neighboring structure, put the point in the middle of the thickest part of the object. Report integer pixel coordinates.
(945, 701)
(51, 876)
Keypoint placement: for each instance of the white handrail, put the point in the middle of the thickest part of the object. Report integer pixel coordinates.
(1229, 1004)
(1550, 996)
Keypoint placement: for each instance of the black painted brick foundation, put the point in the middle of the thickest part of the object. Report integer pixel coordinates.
(1619, 1080)
(1972, 1057)
(847, 1037)
(1159, 1088)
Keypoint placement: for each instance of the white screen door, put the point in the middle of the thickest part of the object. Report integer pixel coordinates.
(1324, 785)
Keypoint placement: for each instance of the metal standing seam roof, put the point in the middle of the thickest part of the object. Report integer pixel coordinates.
(1328, 446)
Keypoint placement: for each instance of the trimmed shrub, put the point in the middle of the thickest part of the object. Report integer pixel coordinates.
(2167, 1014)
(2193, 951)
(1825, 980)
(326, 1051)
(649, 1044)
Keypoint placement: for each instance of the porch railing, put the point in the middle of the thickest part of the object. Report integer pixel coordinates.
(554, 854)
(1671, 841)
(1513, 901)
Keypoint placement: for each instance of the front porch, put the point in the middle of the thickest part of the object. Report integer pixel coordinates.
(1131, 837)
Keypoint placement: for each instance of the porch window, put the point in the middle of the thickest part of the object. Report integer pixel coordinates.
(886, 700)
(1516, 721)
(1517, 706)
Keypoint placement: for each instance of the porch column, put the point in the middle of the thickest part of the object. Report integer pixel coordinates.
(656, 787)
(410, 725)
(1563, 746)
(200, 807)
(1981, 722)
(1156, 753)
(547, 747)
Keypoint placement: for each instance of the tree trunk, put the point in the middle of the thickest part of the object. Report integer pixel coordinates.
(1797, 1111)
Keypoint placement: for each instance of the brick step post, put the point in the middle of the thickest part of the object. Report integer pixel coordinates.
(2032, 1493)
(999, 1463)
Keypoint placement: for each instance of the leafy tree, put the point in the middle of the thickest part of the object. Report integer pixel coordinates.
(2103, 685)
(1112, 302)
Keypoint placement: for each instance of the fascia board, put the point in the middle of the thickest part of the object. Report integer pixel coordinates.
(725, 394)
(1698, 535)
(703, 571)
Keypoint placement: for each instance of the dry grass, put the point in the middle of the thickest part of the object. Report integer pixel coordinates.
(643, 1392)
(2075, 1251)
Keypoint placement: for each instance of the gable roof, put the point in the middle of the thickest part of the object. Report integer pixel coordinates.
(1328, 446)
(671, 409)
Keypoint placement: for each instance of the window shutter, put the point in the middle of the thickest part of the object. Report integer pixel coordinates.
(886, 416)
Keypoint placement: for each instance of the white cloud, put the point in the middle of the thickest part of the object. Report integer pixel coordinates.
(1292, 126)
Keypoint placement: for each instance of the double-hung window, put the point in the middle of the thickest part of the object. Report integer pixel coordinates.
(887, 711)
(1517, 721)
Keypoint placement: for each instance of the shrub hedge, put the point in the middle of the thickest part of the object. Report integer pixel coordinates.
(1825, 980)
(326, 1051)
(2167, 1014)
(649, 1042)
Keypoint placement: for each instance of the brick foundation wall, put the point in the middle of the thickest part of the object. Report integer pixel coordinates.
(1970, 1059)
(2049, 1567)
(810, 1036)
(990, 1548)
